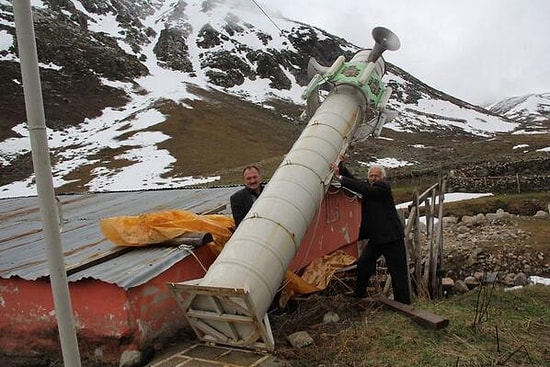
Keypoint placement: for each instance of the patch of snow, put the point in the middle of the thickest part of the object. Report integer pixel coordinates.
(520, 146)
(387, 162)
(450, 197)
(539, 280)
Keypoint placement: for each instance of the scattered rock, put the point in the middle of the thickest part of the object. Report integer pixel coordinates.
(447, 282)
(490, 277)
(509, 279)
(521, 279)
(330, 317)
(300, 339)
(471, 282)
(448, 221)
(502, 215)
(479, 275)
(461, 286)
(467, 220)
(493, 245)
(130, 358)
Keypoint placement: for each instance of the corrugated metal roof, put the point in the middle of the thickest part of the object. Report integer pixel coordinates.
(22, 246)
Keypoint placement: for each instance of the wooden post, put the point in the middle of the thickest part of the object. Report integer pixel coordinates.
(428, 264)
(442, 189)
(433, 249)
(418, 246)
(406, 241)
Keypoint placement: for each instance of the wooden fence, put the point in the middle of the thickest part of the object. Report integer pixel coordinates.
(424, 242)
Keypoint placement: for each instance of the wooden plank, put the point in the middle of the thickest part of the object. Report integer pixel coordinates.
(209, 331)
(423, 196)
(417, 246)
(198, 314)
(424, 318)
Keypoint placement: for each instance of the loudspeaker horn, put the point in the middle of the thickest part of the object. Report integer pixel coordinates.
(384, 40)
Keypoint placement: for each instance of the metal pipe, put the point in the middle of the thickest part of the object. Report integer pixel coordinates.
(44, 181)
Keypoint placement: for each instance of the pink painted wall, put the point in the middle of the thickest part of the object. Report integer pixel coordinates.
(108, 319)
(335, 225)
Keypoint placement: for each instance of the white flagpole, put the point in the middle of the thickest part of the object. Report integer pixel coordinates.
(41, 160)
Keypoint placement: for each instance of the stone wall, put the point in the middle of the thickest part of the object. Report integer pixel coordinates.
(502, 177)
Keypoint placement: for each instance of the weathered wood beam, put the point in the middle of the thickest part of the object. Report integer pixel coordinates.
(424, 318)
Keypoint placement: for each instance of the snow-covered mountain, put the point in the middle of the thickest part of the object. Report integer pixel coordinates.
(109, 69)
(532, 109)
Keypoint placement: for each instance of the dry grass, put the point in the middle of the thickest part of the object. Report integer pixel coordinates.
(539, 231)
(522, 204)
(208, 140)
(513, 332)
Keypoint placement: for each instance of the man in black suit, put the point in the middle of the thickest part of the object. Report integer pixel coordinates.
(381, 226)
(242, 200)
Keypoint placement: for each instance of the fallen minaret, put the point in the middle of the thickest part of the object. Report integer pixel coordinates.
(229, 304)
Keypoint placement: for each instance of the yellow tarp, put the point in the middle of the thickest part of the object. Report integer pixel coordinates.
(316, 276)
(156, 227)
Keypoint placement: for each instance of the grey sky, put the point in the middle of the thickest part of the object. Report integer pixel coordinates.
(477, 50)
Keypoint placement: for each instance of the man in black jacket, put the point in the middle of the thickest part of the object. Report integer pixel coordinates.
(242, 200)
(381, 226)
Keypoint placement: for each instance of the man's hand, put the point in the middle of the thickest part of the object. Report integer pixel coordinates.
(335, 169)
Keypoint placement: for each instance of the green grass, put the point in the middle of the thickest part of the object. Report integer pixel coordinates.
(514, 331)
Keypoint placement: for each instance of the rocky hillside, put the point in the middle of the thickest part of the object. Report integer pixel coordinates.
(176, 89)
(499, 242)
